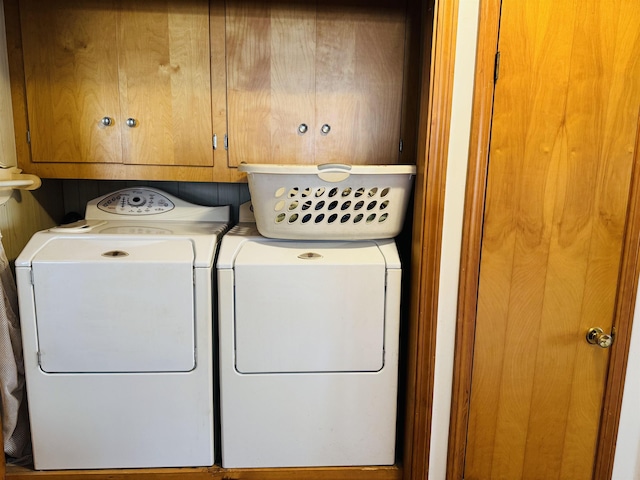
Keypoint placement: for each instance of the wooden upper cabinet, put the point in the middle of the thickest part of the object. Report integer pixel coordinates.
(71, 73)
(295, 67)
(143, 67)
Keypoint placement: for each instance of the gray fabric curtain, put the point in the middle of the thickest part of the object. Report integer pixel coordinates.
(15, 422)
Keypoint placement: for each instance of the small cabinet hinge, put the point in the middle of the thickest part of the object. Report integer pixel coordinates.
(29, 137)
(33, 282)
(39, 356)
(215, 141)
(496, 68)
(401, 145)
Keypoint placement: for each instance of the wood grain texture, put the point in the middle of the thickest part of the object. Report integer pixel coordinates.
(418, 26)
(70, 65)
(120, 171)
(358, 82)
(623, 321)
(432, 150)
(472, 234)
(85, 60)
(334, 63)
(564, 127)
(221, 170)
(17, 81)
(7, 140)
(270, 81)
(164, 82)
(215, 473)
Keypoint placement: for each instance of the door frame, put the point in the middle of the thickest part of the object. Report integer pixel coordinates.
(488, 30)
(440, 20)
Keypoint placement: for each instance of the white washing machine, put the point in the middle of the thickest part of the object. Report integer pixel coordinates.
(116, 315)
(308, 351)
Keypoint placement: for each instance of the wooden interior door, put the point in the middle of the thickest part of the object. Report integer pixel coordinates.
(165, 83)
(564, 127)
(71, 72)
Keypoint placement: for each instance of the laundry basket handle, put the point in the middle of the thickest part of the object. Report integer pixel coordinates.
(334, 172)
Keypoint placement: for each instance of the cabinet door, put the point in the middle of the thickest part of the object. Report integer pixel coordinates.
(294, 65)
(86, 60)
(270, 81)
(165, 85)
(359, 74)
(70, 61)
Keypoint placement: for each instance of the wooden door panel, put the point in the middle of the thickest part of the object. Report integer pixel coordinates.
(165, 83)
(70, 61)
(564, 125)
(270, 81)
(359, 71)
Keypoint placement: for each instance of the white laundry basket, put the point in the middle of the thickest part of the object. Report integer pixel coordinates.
(329, 202)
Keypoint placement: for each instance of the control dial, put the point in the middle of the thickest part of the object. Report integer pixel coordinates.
(136, 202)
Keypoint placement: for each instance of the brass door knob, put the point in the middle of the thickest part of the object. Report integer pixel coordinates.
(595, 336)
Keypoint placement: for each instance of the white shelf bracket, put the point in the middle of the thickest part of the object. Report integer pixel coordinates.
(12, 178)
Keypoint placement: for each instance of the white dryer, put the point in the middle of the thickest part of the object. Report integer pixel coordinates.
(308, 351)
(116, 314)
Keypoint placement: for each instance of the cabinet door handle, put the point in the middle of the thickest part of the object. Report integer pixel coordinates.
(106, 121)
(302, 128)
(325, 129)
(132, 122)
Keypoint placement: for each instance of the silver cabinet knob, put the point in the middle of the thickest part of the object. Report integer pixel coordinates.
(595, 336)
(106, 121)
(302, 128)
(325, 129)
(132, 122)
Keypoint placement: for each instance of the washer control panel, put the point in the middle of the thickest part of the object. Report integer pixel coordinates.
(136, 202)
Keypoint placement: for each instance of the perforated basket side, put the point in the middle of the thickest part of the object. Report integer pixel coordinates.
(307, 207)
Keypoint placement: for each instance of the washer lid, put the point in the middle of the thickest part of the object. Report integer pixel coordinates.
(309, 307)
(125, 306)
